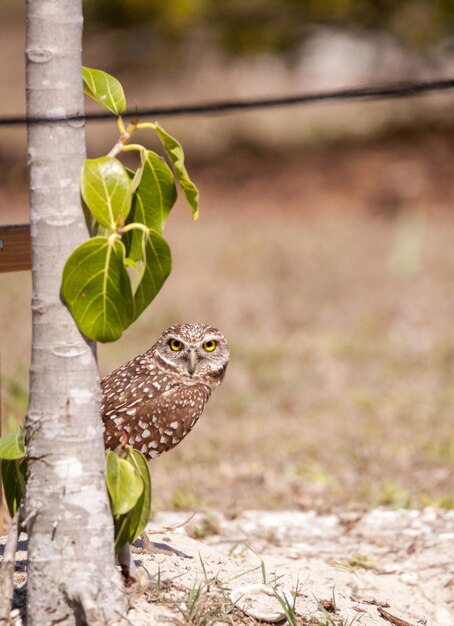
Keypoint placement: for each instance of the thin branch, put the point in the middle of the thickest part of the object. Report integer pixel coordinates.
(397, 621)
(169, 529)
(7, 568)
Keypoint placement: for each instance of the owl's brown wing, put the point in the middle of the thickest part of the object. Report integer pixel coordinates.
(138, 376)
(153, 417)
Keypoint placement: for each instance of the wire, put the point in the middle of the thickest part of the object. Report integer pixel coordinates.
(389, 91)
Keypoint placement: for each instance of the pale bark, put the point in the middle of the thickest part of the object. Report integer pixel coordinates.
(71, 573)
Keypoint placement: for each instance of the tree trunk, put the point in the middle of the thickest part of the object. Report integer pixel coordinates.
(71, 573)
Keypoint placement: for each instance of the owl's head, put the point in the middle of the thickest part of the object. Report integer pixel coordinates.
(196, 350)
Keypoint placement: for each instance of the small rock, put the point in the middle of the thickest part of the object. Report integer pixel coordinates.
(328, 605)
(15, 618)
(260, 602)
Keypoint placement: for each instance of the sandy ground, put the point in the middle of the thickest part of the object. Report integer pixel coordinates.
(364, 569)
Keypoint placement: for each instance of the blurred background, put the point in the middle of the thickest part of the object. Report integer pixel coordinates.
(324, 250)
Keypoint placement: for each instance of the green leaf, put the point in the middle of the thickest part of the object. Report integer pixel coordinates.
(97, 290)
(153, 199)
(106, 191)
(155, 268)
(140, 514)
(129, 526)
(124, 484)
(12, 446)
(121, 530)
(131, 263)
(176, 155)
(104, 89)
(156, 191)
(13, 478)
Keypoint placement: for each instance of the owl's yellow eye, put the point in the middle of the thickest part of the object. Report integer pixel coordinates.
(210, 345)
(175, 345)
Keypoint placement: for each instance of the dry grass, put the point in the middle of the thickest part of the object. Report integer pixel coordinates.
(339, 391)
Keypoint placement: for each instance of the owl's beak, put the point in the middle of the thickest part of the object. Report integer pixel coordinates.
(192, 361)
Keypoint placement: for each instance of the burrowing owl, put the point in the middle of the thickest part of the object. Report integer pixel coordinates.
(155, 399)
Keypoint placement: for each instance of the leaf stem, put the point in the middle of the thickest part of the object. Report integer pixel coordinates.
(132, 146)
(121, 126)
(135, 225)
(147, 125)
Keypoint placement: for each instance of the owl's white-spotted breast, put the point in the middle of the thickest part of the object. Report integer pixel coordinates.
(154, 400)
